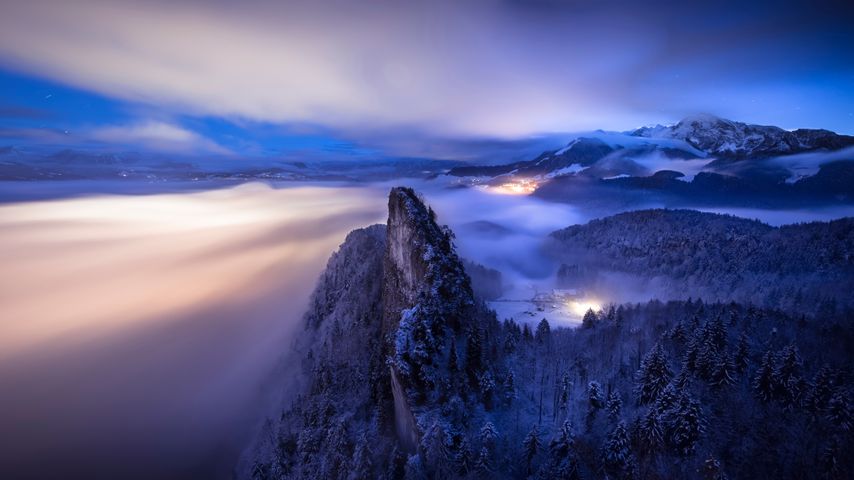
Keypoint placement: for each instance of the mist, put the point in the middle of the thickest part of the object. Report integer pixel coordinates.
(146, 336)
(137, 332)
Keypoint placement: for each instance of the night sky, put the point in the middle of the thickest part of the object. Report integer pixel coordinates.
(262, 78)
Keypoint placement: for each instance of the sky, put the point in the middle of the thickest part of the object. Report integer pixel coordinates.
(438, 79)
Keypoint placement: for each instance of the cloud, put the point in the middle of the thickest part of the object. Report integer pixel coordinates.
(155, 135)
(479, 68)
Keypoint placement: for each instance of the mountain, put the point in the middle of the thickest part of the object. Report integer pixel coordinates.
(730, 139)
(383, 319)
(710, 160)
(581, 153)
(405, 374)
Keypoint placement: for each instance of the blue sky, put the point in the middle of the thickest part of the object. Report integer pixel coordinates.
(413, 79)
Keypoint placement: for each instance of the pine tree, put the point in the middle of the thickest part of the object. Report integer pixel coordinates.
(595, 402)
(361, 466)
(589, 319)
(723, 371)
(487, 388)
(526, 333)
(613, 405)
(435, 445)
(686, 425)
(488, 435)
(563, 398)
(787, 380)
(544, 332)
(742, 353)
(453, 359)
(821, 390)
(839, 411)
(563, 460)
(829, 461)
(763, 382)
(649, 433)
(483, 465)
(653, 376)
(617, 458)
(530, 448)
(474, 356)
(463, 458)
(509, 388)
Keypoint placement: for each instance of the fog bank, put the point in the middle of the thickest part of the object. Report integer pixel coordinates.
(136, 331)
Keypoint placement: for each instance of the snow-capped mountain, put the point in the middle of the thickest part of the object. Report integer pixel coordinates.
(727, 138)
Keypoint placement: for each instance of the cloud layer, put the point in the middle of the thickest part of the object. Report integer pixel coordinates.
(480, 68)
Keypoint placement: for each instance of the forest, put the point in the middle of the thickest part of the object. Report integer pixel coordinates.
(445, 389)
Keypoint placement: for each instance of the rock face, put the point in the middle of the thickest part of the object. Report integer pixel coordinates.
(378, 330)
(412, 230)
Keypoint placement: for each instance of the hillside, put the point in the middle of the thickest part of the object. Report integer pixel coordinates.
(690, 253)
(406, 375)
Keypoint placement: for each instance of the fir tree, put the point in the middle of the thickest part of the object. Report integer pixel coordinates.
(595, 402)
(474, 356)
(563, 460)
(723, 371)
(487, 388)
(686, 426)
(463, 458)
(563, 398)
(488, 435)
(453, 359)
(617, 458)
(742, 353)
(839, 411)
(649, 433)
(483, 465)
(787, 380)
(361, 466)
(821, 390)
(613, 405)
(509, 388)
(530, 448)
(653, 376)
(544, 332)
(763, 382)
(589, 319)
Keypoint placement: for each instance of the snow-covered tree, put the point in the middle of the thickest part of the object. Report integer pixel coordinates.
(649, 433)
(763, 382)
(530, 448)
(686, 425)
(509, 388)
(839, 411)
(617, 458)
(487, 388)
(595, 401)
(613, 405)
(723, 371)
(563, 459)
(653, 376)
(488, 436)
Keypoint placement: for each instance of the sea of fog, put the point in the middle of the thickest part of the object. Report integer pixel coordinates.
(142, 335)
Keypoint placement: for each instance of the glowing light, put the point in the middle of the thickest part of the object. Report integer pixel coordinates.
(516, 187)
(581, 307)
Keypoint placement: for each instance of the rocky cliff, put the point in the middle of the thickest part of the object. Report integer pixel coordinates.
(380, 322)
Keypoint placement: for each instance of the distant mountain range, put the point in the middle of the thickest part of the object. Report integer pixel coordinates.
(702, 159)
(729, 139)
